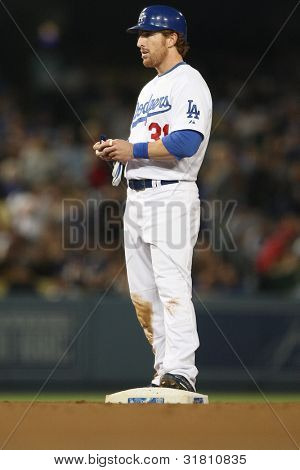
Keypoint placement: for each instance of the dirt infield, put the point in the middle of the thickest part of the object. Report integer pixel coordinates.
(83, 425)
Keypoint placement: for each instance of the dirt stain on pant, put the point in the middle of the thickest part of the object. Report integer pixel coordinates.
(171, 306)
(144, 313)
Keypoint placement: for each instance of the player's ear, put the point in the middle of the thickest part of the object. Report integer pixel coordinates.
(172, 39)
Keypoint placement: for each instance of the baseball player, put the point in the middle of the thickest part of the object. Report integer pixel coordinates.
(168, 138)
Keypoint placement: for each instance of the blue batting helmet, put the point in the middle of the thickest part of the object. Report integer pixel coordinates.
(160, 17)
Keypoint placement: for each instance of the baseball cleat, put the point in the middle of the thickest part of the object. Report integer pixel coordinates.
(176, 381)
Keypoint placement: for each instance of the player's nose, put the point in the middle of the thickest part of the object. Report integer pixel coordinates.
(140, 41)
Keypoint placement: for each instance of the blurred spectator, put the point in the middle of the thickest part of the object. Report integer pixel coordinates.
(278, 260)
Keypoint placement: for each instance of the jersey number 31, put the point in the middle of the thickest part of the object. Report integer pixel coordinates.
(157, 130)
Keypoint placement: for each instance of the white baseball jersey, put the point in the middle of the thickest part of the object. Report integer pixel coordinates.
(177, 100)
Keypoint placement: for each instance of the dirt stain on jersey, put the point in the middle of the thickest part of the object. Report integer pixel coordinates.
(144, 313)
(171, 306)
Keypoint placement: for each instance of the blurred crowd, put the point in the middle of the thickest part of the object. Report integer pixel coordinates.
(49, 176)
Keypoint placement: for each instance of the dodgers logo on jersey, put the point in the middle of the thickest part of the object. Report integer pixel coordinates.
(192, 112)
(150, 108)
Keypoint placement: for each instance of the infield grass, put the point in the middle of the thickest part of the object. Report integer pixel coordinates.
(214, 397)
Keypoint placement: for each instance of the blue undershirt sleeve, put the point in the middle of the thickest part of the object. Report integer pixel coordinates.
(183, 143)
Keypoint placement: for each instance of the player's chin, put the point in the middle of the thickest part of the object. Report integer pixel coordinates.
(147, 62)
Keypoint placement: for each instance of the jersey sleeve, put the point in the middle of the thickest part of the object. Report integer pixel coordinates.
(191, 106)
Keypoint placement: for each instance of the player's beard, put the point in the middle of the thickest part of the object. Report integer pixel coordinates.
(155, 58)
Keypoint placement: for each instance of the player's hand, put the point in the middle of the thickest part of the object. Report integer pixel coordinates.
(100, 148)
(115, 150)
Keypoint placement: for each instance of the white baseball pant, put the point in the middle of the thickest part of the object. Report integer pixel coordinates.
(161, 226)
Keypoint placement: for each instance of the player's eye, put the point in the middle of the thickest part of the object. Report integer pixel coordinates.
(146, 34)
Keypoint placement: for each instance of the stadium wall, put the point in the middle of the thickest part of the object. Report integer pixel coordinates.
(93, 343)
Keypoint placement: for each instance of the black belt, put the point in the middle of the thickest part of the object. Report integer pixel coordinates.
(140, 185)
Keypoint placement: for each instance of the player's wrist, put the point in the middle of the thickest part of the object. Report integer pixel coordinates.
(140, 150)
